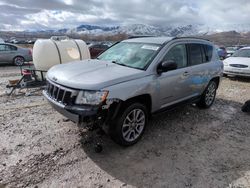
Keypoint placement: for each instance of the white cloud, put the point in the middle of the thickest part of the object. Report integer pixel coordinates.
(68, 2)
(29, 14)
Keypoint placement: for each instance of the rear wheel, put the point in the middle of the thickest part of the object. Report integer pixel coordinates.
(129, 125)
(207, 98)
(18, 61)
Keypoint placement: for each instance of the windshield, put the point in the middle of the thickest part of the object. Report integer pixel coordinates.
(242, 53)
(231, 48)
(135, 55)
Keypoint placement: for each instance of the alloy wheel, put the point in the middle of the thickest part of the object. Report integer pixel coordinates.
(133, 125)
(210, 94)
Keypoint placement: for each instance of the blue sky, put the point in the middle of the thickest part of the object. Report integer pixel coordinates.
(54, 14)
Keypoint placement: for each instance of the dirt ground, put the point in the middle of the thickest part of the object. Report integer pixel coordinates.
(187, 147)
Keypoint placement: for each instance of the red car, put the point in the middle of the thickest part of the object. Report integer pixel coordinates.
(96, 49)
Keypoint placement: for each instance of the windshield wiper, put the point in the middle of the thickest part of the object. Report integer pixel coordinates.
(115, 62)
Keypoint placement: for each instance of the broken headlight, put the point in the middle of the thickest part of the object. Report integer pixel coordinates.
(91, 97)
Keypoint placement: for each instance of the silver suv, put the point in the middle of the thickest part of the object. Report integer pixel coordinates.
(134, 79)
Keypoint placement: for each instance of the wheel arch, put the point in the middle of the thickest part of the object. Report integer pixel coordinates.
(143, 99)
(217, 80)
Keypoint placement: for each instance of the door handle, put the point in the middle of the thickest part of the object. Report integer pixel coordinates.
(186, 73)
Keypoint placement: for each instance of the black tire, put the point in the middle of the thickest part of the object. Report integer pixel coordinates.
(224, 75)
(18, 61)
(246, 106)
(208, 96)
(118, 127)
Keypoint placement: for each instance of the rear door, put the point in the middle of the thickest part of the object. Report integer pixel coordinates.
(199, 61)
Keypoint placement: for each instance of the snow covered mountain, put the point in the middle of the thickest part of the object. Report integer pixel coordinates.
(92, 29)
(142, 29)
(136, 29)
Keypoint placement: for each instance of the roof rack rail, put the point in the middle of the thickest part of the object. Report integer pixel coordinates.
(139, 36)
(191, 38)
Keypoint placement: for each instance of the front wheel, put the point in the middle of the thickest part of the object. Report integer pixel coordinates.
(18, 61)
(207, 98)
(129, 125)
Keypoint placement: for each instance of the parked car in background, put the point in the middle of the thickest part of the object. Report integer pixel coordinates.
(30, 41)
(96, 49)
(222, 52)
(231, 50)
(133, 79)
(13, 40)
(1, 40)
(239, 63)
(10, 53)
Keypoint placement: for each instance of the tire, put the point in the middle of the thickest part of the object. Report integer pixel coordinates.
(18, 61)
(125, 130)
(208, 96)
(246, 106)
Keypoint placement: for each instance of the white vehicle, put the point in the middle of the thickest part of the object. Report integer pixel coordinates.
(238, 64)
(1, 40)
(231, 50)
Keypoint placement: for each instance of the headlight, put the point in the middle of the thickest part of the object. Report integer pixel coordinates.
(225, 63)
(91, 97)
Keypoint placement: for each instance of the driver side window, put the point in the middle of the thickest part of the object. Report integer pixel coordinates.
(177, 54)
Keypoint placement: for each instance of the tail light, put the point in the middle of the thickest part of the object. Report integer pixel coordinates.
(30, 52)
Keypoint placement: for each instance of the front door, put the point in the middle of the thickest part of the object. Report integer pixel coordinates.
(174, 85)
(7, 53)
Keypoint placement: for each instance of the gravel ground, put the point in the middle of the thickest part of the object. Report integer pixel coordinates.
(186, 147)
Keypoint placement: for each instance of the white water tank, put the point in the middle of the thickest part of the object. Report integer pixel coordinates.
(58, 50)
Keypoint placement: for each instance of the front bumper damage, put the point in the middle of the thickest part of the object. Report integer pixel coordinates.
(73, 113)
(85, 113)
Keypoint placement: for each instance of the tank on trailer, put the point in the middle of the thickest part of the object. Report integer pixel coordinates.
(58, 50)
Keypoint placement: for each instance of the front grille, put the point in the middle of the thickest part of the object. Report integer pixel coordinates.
(61, 94)
(238, 65)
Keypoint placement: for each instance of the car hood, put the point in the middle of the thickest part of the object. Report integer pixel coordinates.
(238, 60)
(92, 74)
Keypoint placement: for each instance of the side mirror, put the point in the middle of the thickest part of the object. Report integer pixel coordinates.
(166, 66)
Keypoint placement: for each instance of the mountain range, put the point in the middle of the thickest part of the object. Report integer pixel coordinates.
(142, 29)
(220, 34)
(134, 29)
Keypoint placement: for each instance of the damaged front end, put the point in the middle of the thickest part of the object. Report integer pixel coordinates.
(82, 106)
(104, 114)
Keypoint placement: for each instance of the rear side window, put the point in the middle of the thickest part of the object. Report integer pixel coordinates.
(10, 48)
(196, 54)
(103, 46)
(208, 52)
(95, 46)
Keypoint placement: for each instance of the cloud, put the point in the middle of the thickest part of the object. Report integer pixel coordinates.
(45, 14)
